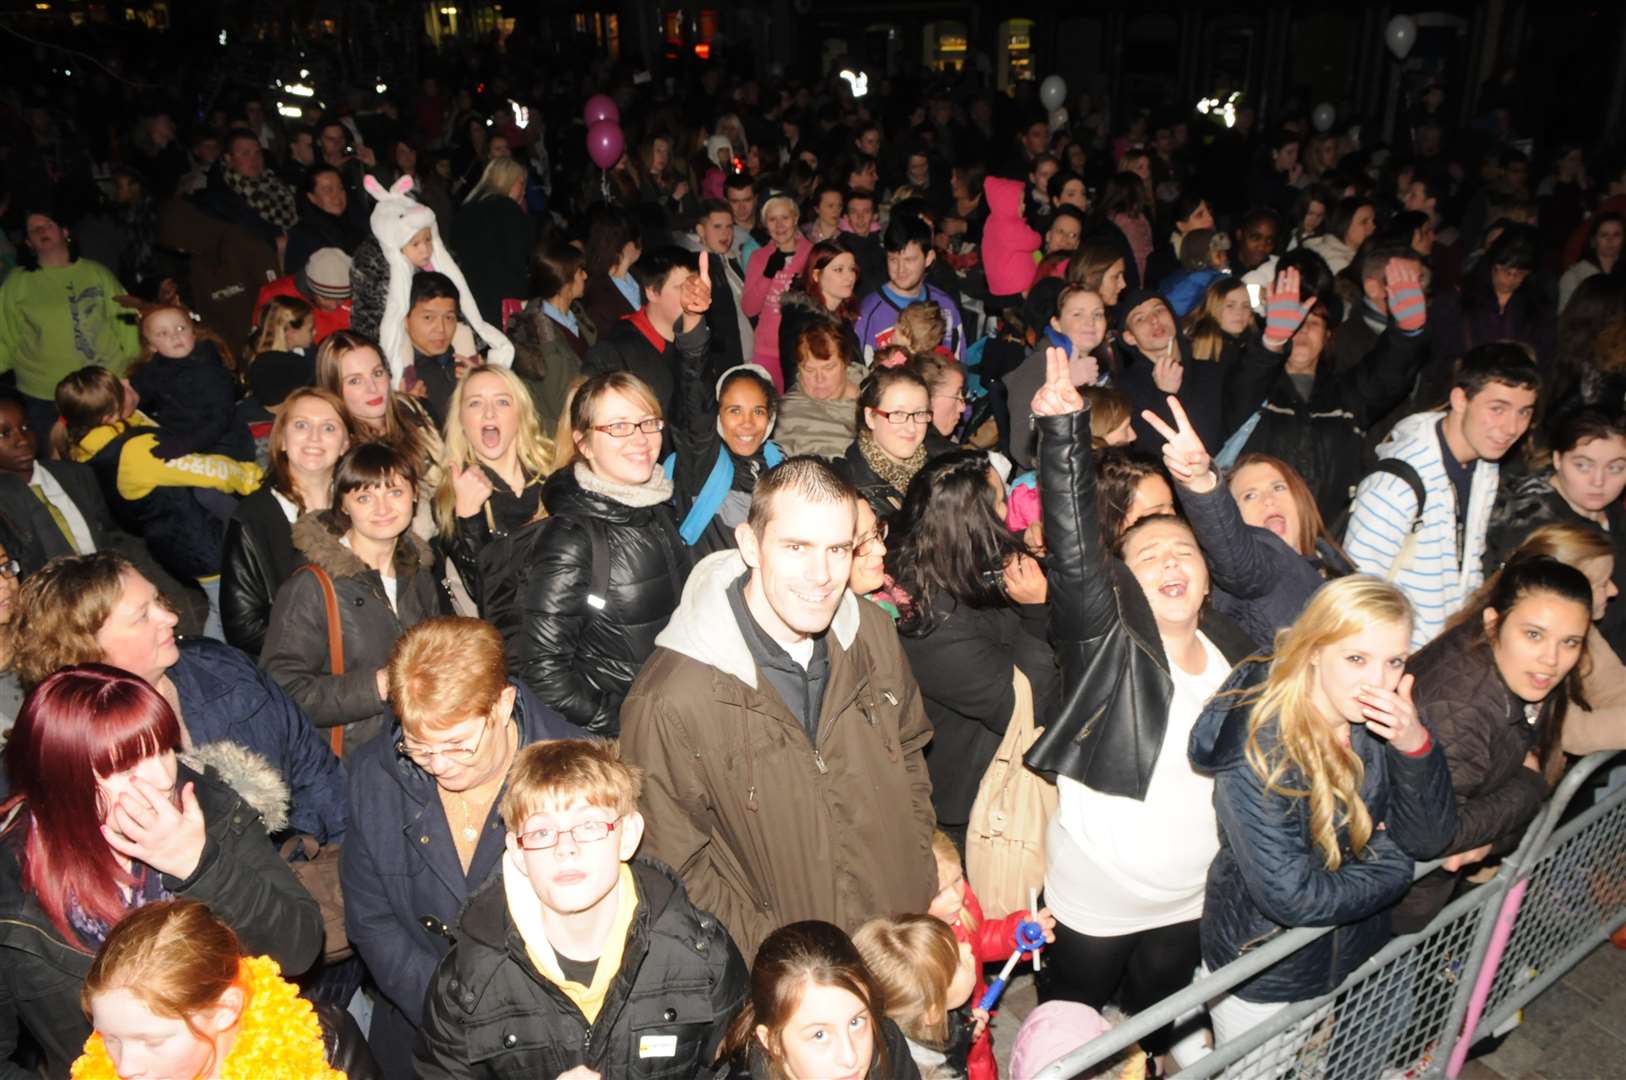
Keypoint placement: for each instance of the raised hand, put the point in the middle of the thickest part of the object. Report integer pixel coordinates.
(146, 826)
(1391, 715)
(471, 487)
(1406, 295)
(1168, 372)
(1058, 396)
(1184, 454)
(697, 289)
(1284, 313)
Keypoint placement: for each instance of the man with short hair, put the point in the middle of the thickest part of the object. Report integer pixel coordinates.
(909, 253)
(1454, 453)
(242, 191)
(780, 728)
(676, 299)
(861, 235)
(732, 336)
(740, 192)
(324, 219)
(431, 321)
(1155, 364)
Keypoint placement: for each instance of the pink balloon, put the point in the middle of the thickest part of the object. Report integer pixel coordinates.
(601, 107)
(605, 143)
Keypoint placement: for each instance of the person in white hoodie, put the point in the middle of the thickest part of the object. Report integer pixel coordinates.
(1434, 553)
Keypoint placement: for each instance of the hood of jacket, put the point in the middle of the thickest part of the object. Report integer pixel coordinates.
(801, 301)
(248, 774)
(1414, 433)
(704, 629)
(1004, 196)
(1219, 740)
(318, 536)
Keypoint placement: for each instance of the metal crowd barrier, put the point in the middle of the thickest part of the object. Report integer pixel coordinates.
(1405, 1012)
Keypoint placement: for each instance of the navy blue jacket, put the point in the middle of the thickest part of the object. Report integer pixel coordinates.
(403, 883)
(1269, 875)
(225, 697)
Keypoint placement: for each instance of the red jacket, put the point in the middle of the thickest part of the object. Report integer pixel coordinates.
(991, 942)
(326, 321)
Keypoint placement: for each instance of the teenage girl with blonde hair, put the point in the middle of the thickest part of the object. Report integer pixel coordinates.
(1326, 787)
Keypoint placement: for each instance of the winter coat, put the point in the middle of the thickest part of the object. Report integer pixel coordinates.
(1440, 578)
(226, 265)
(963, 663)
(1108, 730)
(323, 321)
(1259, 582)
(604, 302)
(1485, 731)
(764, 828)
(225, 698)
(318, 229)
(1269, 874)
(1323, 437)
(504, 512)
(1201, 394)
(369, 287)
(760, 301)
(798, 312)
(296, 652)
(403, 882)
(549, 357)
(240, 876)
(257, 557)
(192, 399)
(1008, 242)
(581, 660)
(1524, 505)
(633, 344)
(1333, 250)
(808, 425)
(491, 1013)
(492, 239)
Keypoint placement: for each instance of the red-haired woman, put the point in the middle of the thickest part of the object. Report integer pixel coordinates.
(826, 291)
(104, 820)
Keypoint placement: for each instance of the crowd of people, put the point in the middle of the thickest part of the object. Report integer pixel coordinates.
(466, 613)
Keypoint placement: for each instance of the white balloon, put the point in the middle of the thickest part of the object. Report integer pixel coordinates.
(1401, 35)
(1323, 116)
(1058, 118)
(1053, 92)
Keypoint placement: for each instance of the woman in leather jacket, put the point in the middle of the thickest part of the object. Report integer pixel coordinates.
(173, 993)
(1140, 652)
(609, 521)
(309, 435)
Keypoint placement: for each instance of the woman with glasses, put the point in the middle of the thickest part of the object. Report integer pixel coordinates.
(945, 379)
(607, 568)
(894, 414)
(424, 801)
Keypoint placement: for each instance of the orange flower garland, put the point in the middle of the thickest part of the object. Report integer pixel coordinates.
(279, 1037)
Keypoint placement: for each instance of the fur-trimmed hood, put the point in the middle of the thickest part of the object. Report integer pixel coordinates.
(396, 218)
(704, 628)
(248, 774)
(318, 537)
(797, 298)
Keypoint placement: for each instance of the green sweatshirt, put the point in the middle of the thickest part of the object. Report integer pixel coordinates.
(54, 321)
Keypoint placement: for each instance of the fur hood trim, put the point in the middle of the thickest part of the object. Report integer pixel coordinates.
(396, 218)
(796, 298)
(703, 627)
(250, 775)
(318, 536)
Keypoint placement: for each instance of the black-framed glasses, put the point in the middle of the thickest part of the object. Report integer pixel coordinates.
(898, 417)
(587, 832)
(424, 756)
(960, 397)
(622, 429)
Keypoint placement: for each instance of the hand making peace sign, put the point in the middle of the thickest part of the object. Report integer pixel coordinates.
(1184, 454)
(1058, 396)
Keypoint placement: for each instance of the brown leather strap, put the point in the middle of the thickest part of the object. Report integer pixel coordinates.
(335, 641)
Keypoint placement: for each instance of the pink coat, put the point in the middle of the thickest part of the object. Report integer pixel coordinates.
(1008, 243)
(760, 301)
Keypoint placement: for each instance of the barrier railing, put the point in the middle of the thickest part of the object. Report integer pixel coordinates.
(1401, 1015)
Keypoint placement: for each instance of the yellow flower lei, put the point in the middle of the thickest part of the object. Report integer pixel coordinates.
(279, 1038)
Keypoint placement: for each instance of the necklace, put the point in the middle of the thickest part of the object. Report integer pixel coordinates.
(470, 830)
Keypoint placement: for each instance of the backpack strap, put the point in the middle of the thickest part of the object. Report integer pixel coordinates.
(1406, 472)
(335, 642)
(598, 588)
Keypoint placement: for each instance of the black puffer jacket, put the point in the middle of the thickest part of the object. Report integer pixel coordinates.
(257, 558)
(1108, 728)
(1323, 437)
(240, 877)
(1269, 874)
(1483, 728)
(296, 651)
(576, 659)
(490, 1013)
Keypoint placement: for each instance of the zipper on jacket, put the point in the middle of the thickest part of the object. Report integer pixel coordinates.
(818, 759)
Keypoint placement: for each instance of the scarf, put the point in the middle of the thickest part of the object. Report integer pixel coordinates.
(278, 1036)
(896, 473)
(652, 492)
(269, 197)
(723, 478)
(525, 910)
(148, 889)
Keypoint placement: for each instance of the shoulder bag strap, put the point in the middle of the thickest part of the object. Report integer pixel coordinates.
(335, 641)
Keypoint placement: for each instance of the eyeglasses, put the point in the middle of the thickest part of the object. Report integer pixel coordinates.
(961, 398)
(862, 546)
(10, 569)
(898, 418)
(587, 832)
(623, 428)
(424, 756)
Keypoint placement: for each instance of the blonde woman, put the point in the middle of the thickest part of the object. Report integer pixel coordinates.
(492, 237)
(1326, 787)
(496, 459)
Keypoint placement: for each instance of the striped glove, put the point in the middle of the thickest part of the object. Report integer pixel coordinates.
(1405, 296)
(1283, 311)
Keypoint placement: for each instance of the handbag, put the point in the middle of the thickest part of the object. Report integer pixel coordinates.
(318, 871)
(1004, 846)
